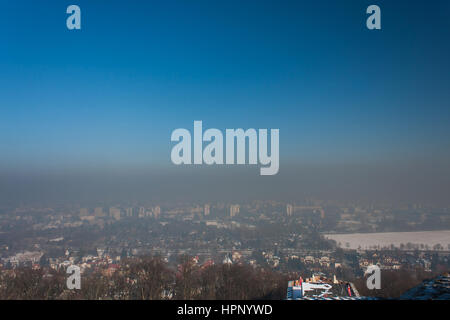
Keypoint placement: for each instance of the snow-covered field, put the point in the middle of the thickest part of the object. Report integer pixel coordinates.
(429, 239)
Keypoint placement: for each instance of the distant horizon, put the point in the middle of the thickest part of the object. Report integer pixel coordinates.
(374, 183)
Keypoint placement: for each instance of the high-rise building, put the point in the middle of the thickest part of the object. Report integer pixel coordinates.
(98, 212)
(84, 212)
(289, 210)
(234, 210)
(141, 212)
(206, 210)
(156, 212)
(114, 213)
(129, 212)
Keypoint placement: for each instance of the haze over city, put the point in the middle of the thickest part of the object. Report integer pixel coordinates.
(95, 96)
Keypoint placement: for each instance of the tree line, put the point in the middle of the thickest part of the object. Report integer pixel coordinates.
(148, 278)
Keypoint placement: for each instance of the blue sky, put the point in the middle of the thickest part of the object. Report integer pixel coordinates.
(112, 93)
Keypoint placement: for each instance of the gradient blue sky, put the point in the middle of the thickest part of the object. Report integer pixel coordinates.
(111, 94)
